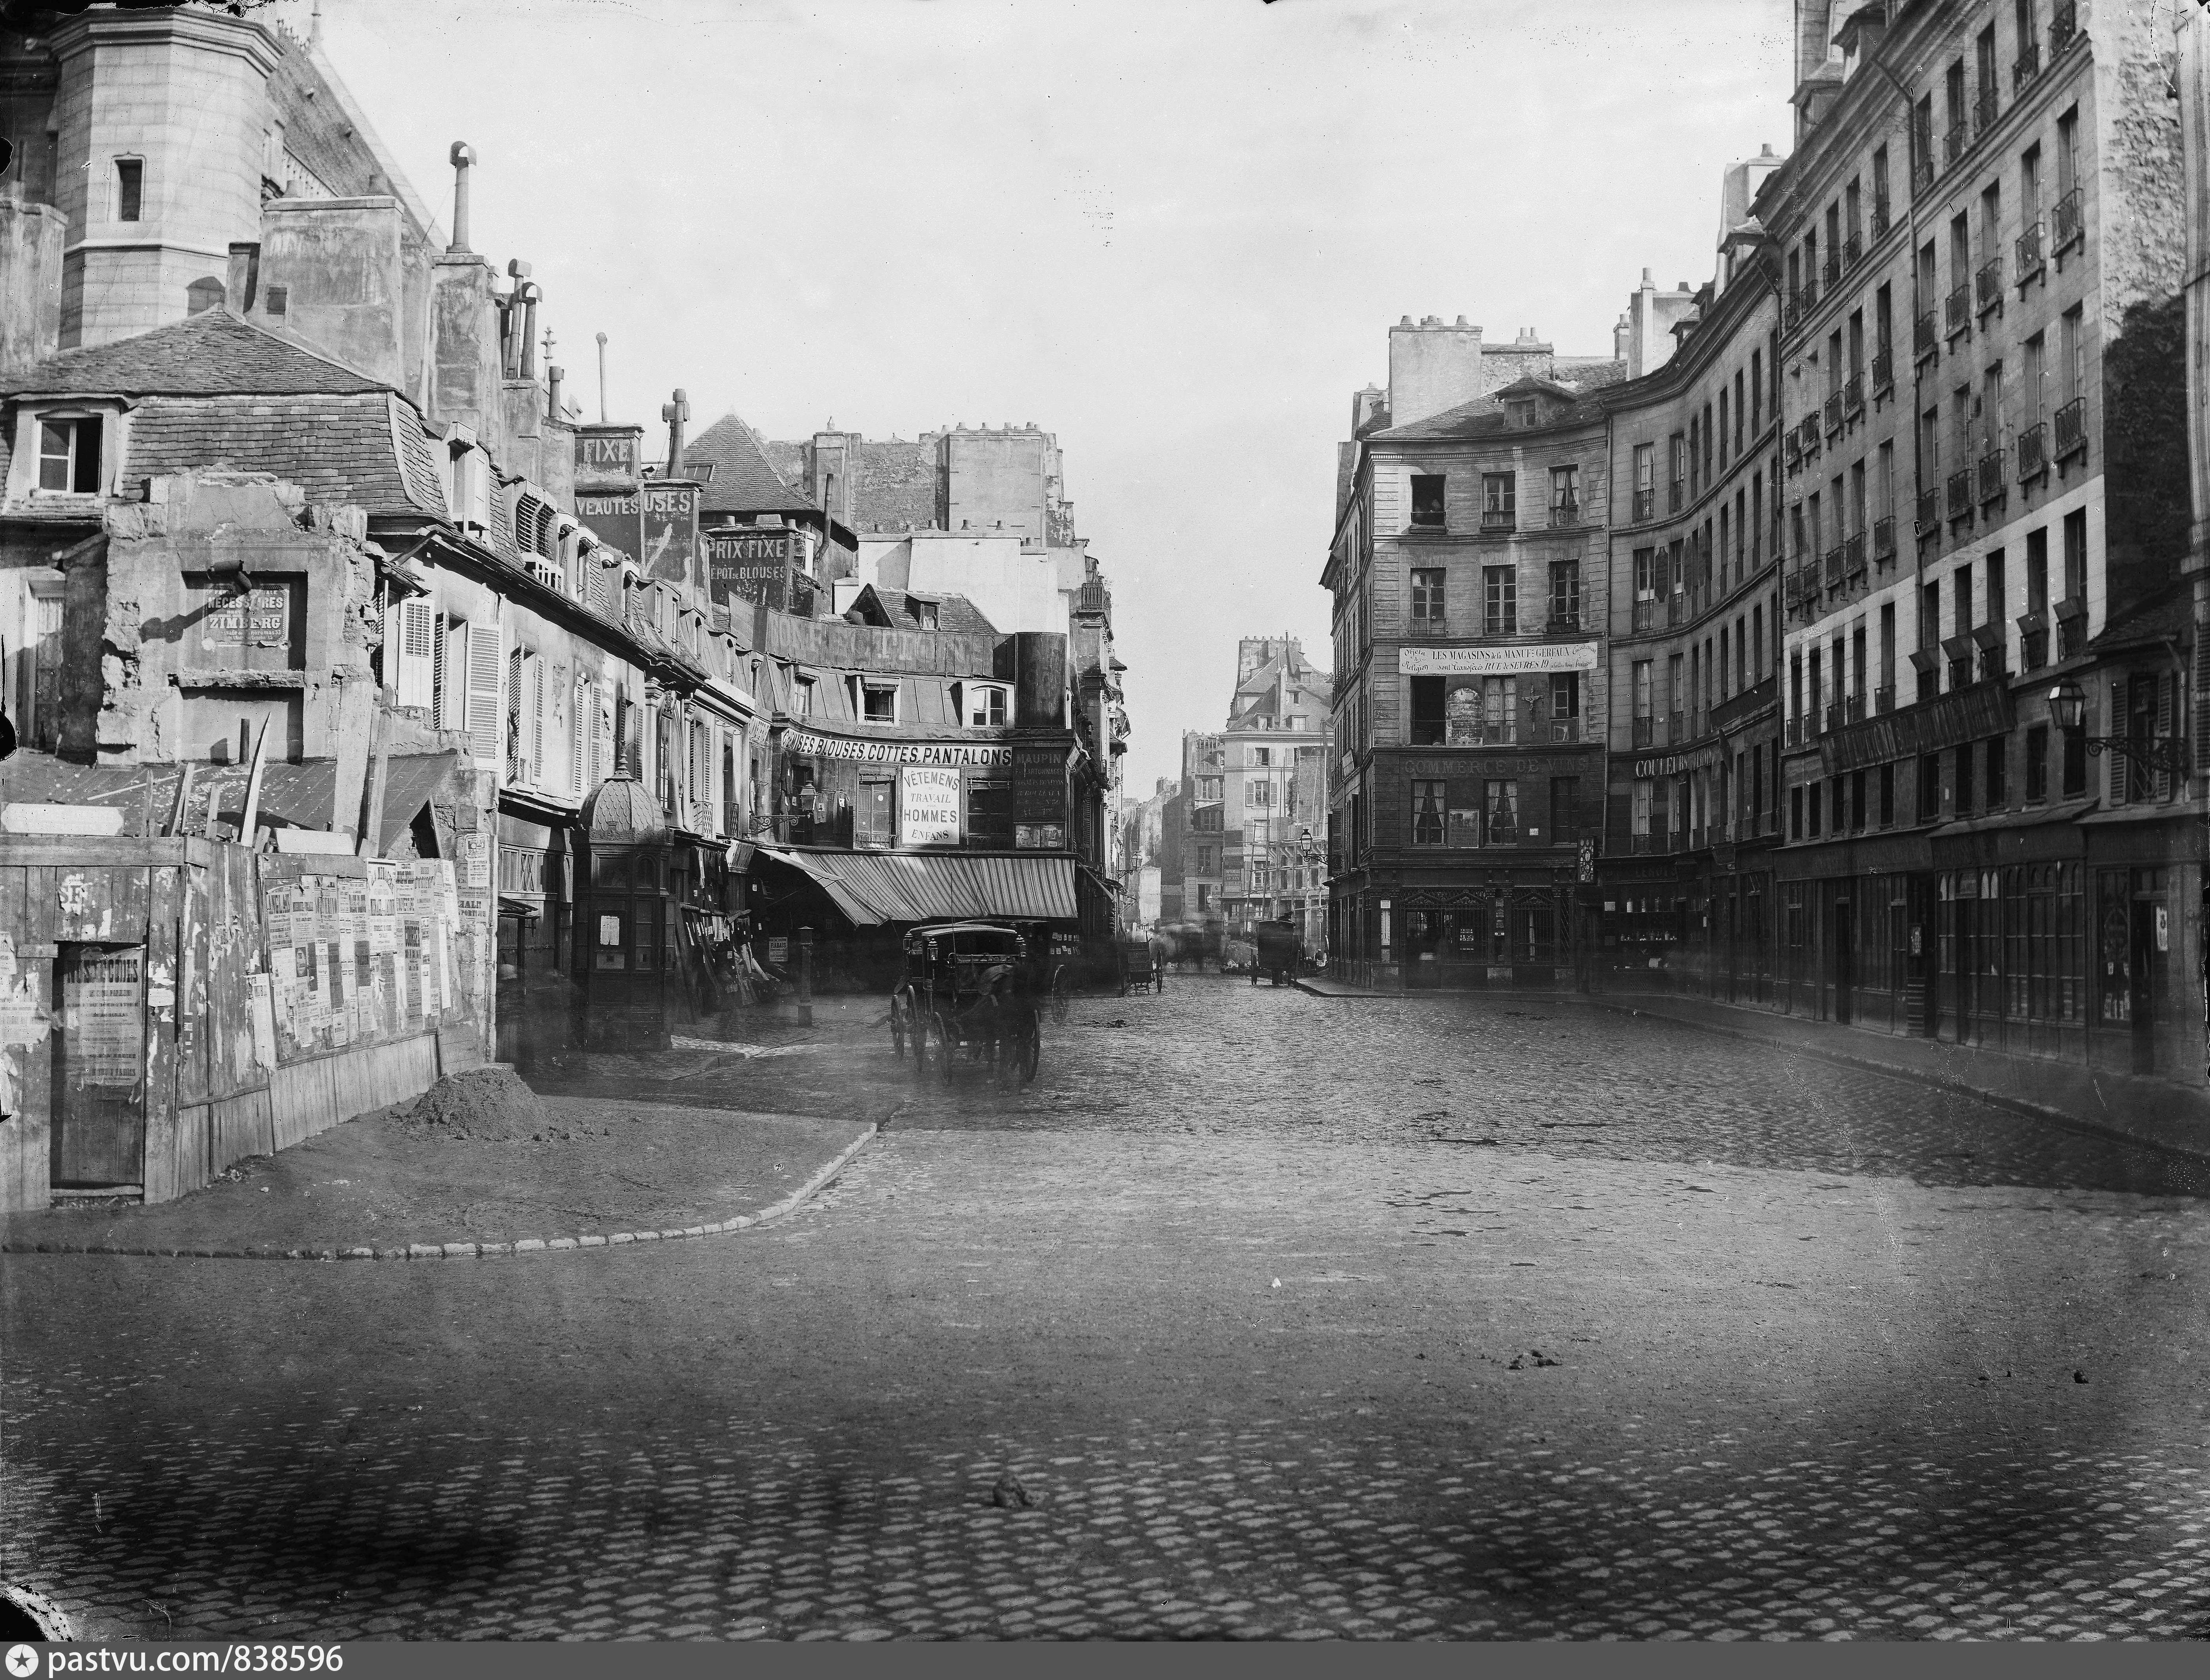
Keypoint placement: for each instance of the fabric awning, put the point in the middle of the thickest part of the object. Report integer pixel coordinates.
(871, 887)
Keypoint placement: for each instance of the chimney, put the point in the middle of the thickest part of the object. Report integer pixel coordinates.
(334, 271)
(31, 239)
(675, 413)
(1432, 367)
(463, 158)
(1365, 406)
(241, 281)
(1621, 335)
(532, 295)
(553, 378)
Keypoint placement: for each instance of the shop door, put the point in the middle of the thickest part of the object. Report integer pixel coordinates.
(100, 1066)
(1845, 959)
(2146, 977)
(1426, 932)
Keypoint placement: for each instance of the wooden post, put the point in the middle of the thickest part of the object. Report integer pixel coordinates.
(806, 977)
(253, 787)
(176, 823)
(371, 831)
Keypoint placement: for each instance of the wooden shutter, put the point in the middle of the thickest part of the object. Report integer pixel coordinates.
(537, 720)
(440, 702)
(483, 704)
(579, 709)
(414, 650)
(2167, 715)
(597, 722)
(517, 743)
(2120, 720)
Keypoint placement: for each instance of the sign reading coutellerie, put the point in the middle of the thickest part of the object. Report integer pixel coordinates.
(1679, 763)
(1505, 661)
(803, 743)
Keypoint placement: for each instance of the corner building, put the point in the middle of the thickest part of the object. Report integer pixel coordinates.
(1990, 835)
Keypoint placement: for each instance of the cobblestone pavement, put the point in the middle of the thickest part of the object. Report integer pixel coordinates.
(1708, 1342)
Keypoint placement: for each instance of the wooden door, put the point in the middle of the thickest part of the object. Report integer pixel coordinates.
(100, 1066)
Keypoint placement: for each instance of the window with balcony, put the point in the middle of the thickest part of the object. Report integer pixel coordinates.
(1499, 501)
(1646, 481)
(1678, 444)
(1427, 500)
(1500, 591)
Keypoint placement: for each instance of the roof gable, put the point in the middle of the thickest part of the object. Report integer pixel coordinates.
(743, 480)
(213, 354)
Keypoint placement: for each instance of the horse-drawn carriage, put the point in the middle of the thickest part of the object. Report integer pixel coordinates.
(1142, 966)
(1280, 950)
(968, 992)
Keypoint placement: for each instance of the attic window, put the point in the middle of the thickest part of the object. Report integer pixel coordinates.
(1522, 413)
(130, 188)
(69, 456)
(878, 702)
(985, 706)
(924, 613)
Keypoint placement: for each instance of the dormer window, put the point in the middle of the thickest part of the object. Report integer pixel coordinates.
(924, 614)
(69, 456)
(876, 703)
(985, 706)
(1522, 413)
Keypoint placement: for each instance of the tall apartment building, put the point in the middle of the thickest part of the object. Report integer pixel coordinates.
(1992, 835)
(1470, 602)
(1274, 811)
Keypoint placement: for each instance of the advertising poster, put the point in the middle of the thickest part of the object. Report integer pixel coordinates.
(929, 806)
(104, 1013)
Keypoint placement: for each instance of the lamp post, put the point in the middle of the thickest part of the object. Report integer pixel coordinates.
(2152, 755)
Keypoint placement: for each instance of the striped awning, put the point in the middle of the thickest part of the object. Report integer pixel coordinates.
(871, 887)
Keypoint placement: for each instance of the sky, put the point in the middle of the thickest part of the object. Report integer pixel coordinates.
(1173, 232)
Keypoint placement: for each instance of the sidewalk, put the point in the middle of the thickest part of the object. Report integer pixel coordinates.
(595, 1171)
(2152, 1112)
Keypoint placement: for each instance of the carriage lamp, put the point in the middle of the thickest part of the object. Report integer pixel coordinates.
(2152, 756)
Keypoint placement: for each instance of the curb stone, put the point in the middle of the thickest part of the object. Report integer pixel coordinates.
(774, 1210)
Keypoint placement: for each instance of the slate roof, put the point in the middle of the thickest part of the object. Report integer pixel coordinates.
(212, 353)
(743, 481)
(894, 609)
(351, 448)
(1484, 415)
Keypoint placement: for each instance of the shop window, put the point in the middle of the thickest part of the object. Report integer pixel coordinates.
(69, 456)
(873, 816)
(990, 816)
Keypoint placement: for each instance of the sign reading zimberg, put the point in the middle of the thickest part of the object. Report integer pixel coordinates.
(1508, 660)
(803, 743)
(751, 565)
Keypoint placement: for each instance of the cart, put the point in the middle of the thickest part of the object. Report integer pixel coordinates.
(1140, 968)
(1279, 952)
(967, 994)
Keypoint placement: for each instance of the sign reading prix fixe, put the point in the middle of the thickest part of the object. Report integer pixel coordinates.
(929, 806)
(803, 743)
(606, 452)
(1510, 660)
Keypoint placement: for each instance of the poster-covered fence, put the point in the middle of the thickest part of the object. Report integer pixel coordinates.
(169, 1006)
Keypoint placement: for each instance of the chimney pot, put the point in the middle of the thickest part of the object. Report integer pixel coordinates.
(1646, 280)
(463, 158)
(1765, 151)
(1406, 322)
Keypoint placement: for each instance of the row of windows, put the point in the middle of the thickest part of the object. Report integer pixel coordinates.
(1495, 711)
(1495, 820)
(1715, 436)
(1500, 598)
(1500, 499)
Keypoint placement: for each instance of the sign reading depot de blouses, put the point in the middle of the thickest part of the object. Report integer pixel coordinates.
(757, 565)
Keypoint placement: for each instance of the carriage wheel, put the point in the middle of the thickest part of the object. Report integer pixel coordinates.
(923, 1049)
(897, 1025)
(1062, 989)
(947, 1048)
(1024, 1052)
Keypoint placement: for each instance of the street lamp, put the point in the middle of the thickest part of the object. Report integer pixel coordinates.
(2165, 755)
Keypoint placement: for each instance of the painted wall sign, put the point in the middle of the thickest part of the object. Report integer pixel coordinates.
(617, 519)
(1496, 661)
(606, 453)
(1679, 763)
(751, 565)
(805, 744)
(671, 532)
(929, 806)
(259, 618)
(1039, 786)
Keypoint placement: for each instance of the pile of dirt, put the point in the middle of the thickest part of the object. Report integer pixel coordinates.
(483, 1105)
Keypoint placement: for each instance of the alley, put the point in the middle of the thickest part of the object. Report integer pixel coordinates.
(1456, 1316)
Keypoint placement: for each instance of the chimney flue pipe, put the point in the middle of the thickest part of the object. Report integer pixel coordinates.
(463, 158)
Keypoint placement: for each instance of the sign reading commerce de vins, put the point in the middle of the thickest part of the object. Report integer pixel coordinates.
(805, 744)
(1507, 660)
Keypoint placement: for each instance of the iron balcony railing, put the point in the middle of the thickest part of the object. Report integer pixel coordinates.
(1676, 728)
(1883, 538)
(2071, 629)
(1960, 493)
(1830, 271)
(1497, 519)
(1926, 515)
(1853, 556)
(1853, 394)
(1676, 608)
(1954, 142)
(1833, 566)
(1564, 729)
(1564, 623)
(1833, 412)
(1880, 218)
(1853, 708)
(1853, 249)
(2072, 428)
(1645, 615)
(2026, 66)
(1987, 284)
(1796, 731)
(2032, 451)
(2032, 649)
(2067, 221)
(1645, 730)
(1993, 486)
(1565, 512)
(2063, 29)
(1679, 497)
(1883, 698)
(1791, 449)
(1986, 109)
(1925, 336)
(1646, 504)
(1957, 311)
(1809, 432)
(1833, 717)
(2028, 253)
(1427, 623)
(1883, 370)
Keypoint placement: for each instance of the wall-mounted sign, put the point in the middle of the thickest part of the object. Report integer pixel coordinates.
(1496, 661)
(749, 565)
(1039, 786)
(606, 452)
(671, 532)
(1039, 837)
(1677, 764)
(259, 618)
(617, 519)
(929, 806)
(803, 743)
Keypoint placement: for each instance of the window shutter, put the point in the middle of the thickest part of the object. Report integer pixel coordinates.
(537, 720)
(578, 710)
(517, 743)
(2167, 713)
(599, 724)
(483, 707)
(2120, 719)
(413, 665)
(440, 704)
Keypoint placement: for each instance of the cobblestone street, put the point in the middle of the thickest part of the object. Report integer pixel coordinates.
(1288, 1317)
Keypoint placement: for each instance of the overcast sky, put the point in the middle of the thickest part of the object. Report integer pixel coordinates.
(1174, 232)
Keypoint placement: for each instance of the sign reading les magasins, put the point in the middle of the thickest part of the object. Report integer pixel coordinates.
(1508, 660)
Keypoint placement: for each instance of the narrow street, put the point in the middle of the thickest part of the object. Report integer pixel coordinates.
(1460, 1316)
